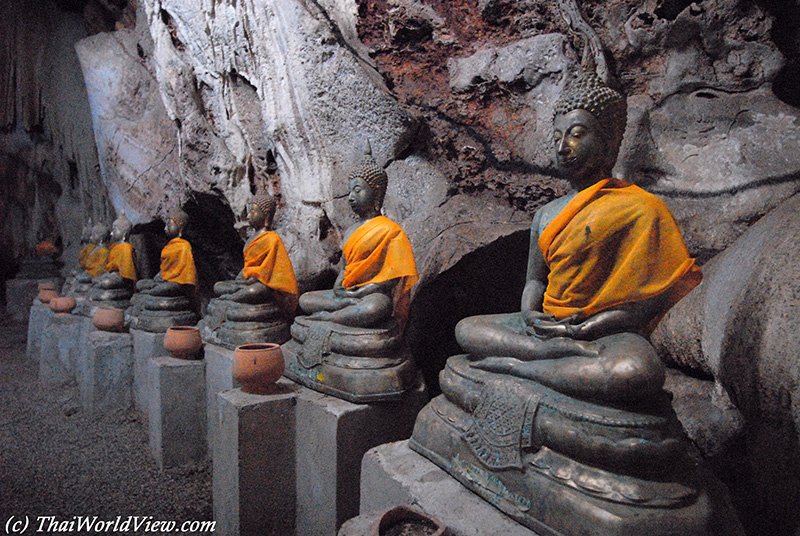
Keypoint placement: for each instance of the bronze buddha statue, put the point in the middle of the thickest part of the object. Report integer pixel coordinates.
(115, 287)
(349, 343)
(170, 298)
(92, 262)
(259, 305)
(79, 282)
(557, 414)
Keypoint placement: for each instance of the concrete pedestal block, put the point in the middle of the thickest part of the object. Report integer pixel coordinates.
(332, 436)
(177, 410)
(105, 372)
(20, 294)
(39, 319)
(62, 342)
(146, 346)
(393, 474)
(254, 463)
(219, 378)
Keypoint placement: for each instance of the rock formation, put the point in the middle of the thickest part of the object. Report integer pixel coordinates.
(179, 100)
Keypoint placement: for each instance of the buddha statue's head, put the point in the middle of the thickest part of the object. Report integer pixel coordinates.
(121, 229)
(588, 126)
(260, 211)
(99, 233)
(367, 184)
(176, 224)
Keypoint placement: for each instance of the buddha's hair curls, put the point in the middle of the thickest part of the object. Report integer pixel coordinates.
(607, 105)
(373, 174)
(180, 218)
(266, 203)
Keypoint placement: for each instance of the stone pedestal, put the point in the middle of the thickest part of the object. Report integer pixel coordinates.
(177, 411)
(393, 474)
(254, 463)
(219, 378)
(105, 372)
(146, 345)
(38, 322)
(332, 435)
(20, 294)
(62, 342)
(323, 438)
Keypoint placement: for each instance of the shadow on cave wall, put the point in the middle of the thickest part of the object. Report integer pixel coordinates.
(216, 246)
(488, 280)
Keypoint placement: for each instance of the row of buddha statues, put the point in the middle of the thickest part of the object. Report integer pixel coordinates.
(556, 414)
(356, 326)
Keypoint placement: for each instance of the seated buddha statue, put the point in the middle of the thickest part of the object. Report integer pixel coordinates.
(72, 285)
(170, 298)
(557, 414)
(349, 342)
(92, 261)
(259, 304)
(115, 287)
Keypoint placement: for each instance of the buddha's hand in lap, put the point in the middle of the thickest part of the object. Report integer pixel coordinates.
(549, 328)
(534, 317)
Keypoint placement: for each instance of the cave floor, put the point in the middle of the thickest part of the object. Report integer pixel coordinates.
(57, 460)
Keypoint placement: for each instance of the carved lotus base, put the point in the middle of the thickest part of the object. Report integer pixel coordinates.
(492, 442)
(230, 324)
(157, 314)
(316, 358)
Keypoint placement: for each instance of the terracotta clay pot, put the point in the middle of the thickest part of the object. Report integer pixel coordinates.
(62, 304)
(183, 342)
(257, 367)
(109, 319)
(47, 294)
(408, 521)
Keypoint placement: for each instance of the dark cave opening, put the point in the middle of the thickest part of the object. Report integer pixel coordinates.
(216, 245)
(490, 280)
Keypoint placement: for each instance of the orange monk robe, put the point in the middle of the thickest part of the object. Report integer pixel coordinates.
(96, 262)
(378, 251)
(177, 262)
(612, 244)
(265, 258)
(120, 259)
(83, 256)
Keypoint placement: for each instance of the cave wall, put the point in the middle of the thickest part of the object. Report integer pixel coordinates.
(48, 160)
(455, 98)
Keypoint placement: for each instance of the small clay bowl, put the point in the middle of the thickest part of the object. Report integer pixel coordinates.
(62, 304)
(47, 294)
(257, 367)
(183, 342)
(109, 319)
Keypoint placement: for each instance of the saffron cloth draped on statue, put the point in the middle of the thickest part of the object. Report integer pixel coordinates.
(177, 262)
(378, 251)
(120, 259)
(614, 243)
(83, 256)
(265, 258)
(96, 262)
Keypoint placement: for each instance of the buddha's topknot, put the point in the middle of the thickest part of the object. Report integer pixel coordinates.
(607, 105)
(373, 174)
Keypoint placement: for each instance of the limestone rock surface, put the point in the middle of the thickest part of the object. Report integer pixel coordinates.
(739, 326)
